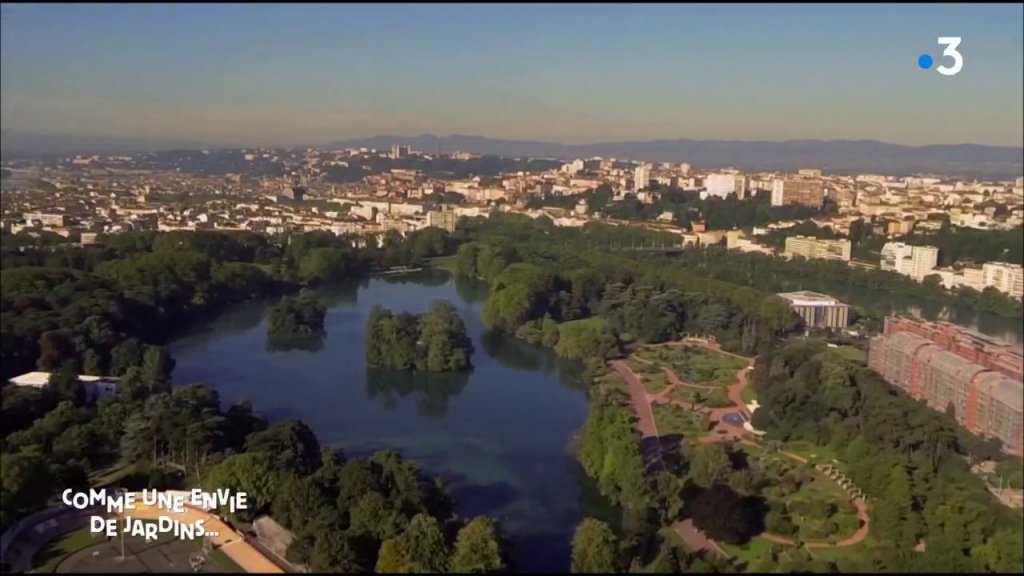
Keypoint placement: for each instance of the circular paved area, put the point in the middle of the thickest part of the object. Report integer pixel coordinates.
(733, 419)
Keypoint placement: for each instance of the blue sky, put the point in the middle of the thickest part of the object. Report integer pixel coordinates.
(290, 74)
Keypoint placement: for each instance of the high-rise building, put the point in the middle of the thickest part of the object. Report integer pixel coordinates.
(818, 310)
(939, 363)
(810, 247)
(641, 177)
(807, 192)
(399, 151)
(914, 261)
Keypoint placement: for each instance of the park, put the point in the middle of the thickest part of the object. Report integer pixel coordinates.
(693, 400)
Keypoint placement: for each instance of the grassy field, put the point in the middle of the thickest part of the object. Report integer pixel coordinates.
(675, 420)
(748, 554)
(853, 353)
(443, 263)
(49, 556)
(813, 453)
(749, 394)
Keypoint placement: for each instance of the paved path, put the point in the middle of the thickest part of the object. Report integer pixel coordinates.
(638, 396)
(721, 432)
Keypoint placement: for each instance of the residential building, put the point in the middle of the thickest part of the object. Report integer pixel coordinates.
(914, 261)
(818, 310)
(807, 192)
(641, 177)
(989, 352)
(1005, 277)
(810, 247)
(985, 401)
(721, 185)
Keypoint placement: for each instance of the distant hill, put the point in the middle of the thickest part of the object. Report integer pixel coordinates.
(23, 143)
(836, 156)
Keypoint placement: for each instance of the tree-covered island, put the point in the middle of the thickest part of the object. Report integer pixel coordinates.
(300, 316)
(435, 341)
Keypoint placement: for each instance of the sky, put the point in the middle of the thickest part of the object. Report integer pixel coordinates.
(304, 74)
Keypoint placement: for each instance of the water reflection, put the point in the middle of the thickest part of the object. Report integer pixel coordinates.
(433, 391)
(471, 291)
(429, 277)
(312, 343)
(334, 295)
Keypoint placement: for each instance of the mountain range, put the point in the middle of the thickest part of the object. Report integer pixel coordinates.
(833, 156)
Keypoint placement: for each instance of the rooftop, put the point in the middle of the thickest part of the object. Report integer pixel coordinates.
(808, 298)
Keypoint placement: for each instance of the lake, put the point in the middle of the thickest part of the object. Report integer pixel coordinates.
(500, 434)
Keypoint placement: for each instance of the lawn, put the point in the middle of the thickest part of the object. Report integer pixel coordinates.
(717, 398)
(47, 558)
(675, 420)
(749, 394)
(748, 554)
(853, 353)
(651, 375)
(684, 394)
(444, 263)
(812, 452)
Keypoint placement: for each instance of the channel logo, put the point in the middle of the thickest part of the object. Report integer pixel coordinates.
(925, 61)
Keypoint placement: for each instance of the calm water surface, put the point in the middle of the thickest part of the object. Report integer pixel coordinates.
(499, 433)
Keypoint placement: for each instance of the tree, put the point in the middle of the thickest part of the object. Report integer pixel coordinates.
(668, 495)
(710, 463)
(65, 383)
(27, 483)
(478, 548)
(334, 551)
(157, 366)
(92, 363)
(290, 445)
(54, 349)
(594, 548)
(421, 548)
(251, 473)
(725, 515)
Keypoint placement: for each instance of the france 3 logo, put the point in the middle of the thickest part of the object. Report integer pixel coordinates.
(925, 61)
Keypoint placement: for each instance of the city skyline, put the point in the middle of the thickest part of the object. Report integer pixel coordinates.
(287, 75)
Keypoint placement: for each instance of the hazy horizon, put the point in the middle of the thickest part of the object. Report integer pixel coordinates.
(305, 75)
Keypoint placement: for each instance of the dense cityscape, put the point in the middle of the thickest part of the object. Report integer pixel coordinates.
(464, 354)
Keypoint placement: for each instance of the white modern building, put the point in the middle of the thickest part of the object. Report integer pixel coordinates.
(914, 261)
(95, 386)
(641, 177)
(721, 185)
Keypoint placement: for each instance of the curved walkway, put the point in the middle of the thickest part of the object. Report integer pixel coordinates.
(721, 432)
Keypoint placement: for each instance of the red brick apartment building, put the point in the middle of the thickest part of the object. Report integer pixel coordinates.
(941, 362)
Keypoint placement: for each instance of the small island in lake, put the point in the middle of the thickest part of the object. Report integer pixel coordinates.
(296, 317)
(435, 341)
